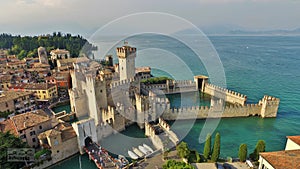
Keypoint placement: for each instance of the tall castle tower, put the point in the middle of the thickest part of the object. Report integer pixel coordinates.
(126, 55)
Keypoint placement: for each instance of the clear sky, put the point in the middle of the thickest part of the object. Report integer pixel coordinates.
(31, 17)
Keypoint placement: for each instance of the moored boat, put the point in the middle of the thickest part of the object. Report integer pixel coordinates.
(148, 148)
(138, 152)
(132, 155)
(144, 150)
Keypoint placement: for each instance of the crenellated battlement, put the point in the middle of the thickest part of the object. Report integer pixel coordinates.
(184, 83)
(227, 91)
(267, 107)
(163, 124)
(149, 130)
(229, 95)
(117, 84)
(126, 49)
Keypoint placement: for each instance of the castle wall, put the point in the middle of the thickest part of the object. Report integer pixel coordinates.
(150, 132)
(228, 95)
(267, 109)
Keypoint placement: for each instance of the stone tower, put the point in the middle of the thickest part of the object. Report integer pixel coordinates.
(269, 106)
(126, 55)
(42, 55)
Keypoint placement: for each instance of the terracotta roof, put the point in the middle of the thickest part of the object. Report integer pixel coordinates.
(143, 69)
(288, 159)
(295, 139)
(11, 95)
(33, 86)
(65, 130)
(8, 125)
(52, 133)
(30, 119)
(74, 60)
(59, 51)
(5, 78)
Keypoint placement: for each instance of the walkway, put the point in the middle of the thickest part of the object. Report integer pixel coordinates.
(101, 157)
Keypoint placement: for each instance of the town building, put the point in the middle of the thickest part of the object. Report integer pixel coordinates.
(58, 54)
(61, 79)
(43, 91)
(17, 102)
(61, 140)
(286, 159)
(293, 143)
(5, 81)
(28, 126)
(16, 65)
(68, 62)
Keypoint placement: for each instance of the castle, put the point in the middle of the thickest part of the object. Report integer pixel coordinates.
(107, 98)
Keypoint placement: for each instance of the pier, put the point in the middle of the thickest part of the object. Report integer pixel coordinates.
(101, 157)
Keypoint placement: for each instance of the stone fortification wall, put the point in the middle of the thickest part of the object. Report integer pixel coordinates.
(228, 95)
(172, 136)
(119, 84)
(155, 139)
(267, 107)
(170, 87)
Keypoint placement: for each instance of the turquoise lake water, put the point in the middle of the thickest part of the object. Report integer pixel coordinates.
(255, 66)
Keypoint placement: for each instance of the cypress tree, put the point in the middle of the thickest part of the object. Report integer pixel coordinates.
(216, 148)
(243, 152)
(207, 147)
(260, 147)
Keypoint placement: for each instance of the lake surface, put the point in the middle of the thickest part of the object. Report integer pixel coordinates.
(255, 66)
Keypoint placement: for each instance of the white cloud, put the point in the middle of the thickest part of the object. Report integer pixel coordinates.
(43, 3)
(51, 3)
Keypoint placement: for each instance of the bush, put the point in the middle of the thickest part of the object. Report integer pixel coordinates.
(243, 152)
(156, 80)
(216, 149)
(183, 150)
(172, 164)
(38, 154)
(207, 147)
(260, 147)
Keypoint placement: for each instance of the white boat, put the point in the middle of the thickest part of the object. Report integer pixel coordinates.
(144, 150)
(148, 148)
(138, 152)
(132, 155)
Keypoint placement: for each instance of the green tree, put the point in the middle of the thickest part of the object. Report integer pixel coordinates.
(207, 147)
(183, 150)
(243, 152)
(172, 164)
(216, 148)
(8, 140)
(260, 147)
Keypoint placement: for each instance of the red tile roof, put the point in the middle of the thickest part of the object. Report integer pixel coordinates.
(30, 119)
(288, 159)
(8, 125)
(295, 139)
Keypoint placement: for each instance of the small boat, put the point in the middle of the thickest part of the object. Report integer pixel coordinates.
(144, 150)
(148, 148)
(132, 155)
(138, 152)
